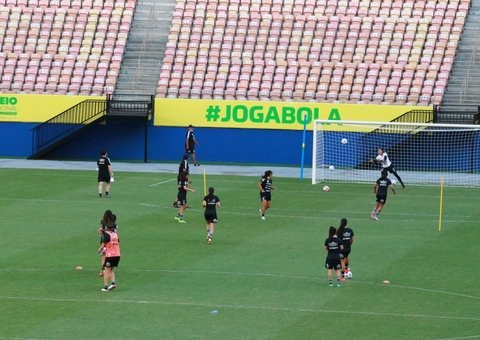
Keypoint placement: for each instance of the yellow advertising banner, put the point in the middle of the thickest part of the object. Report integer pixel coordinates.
(34, 108)
(267, 115)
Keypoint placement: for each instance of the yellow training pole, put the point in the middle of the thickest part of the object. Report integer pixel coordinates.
(441, 205)
(204, 182)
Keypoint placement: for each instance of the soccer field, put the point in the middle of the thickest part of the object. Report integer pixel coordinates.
(266, 279)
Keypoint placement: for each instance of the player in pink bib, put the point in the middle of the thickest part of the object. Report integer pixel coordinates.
(112, 256)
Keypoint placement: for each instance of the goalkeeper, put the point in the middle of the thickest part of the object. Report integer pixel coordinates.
(387, 165)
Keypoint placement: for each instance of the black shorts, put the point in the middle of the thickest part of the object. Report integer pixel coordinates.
(344, 254)
(382, 199)
(112, 261)
(210, 217)
(190, 151)
(390, 169)
(265, 196)
(333, 263)
(104, 178)
(182, 199)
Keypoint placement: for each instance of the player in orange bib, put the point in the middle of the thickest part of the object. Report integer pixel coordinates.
(112, 256)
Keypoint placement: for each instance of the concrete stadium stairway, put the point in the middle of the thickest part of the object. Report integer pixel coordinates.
(145, 49)
(463, 88)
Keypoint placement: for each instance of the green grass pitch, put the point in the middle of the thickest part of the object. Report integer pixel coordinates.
(265, 278)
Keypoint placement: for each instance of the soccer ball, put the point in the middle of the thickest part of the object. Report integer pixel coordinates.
(394, 181)
(349, 275)
(326, 188)
(344, 141)
(331, 168)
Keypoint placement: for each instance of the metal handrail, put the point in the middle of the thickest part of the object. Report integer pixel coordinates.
(65, 123)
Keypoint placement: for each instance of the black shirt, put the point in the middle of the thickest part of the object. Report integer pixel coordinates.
(191, 139)
(181, 190)
(183, 166)
(346, 237)
(333, 246)
(383, 184)
(267, 184)
(102, 164)
(211, 204)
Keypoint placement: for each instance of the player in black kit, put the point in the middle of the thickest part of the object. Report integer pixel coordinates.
(265, 186)
(190, 143)
(346, 235)
(211, 202)
(382, 183)
(181, 168)
(182, 196)
(333, 246)
(105, 174)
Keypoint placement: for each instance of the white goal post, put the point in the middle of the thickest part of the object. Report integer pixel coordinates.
(420, 153)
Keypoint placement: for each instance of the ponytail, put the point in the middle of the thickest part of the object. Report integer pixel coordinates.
(211, 193)
(331, 232)
(106, 217)
(267, 173)
(183, 176)
(343, 224)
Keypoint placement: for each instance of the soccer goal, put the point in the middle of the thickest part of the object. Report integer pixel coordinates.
(421, 153)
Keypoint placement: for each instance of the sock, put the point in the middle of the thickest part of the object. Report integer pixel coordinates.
(263, 215)
(346, 266)
(180, 216)
(330, 281)
(338, 281)
(113, 283)
(343, 273)
(106, 192)
(105, 286)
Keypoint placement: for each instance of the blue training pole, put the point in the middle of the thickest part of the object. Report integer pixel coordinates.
(303, 146)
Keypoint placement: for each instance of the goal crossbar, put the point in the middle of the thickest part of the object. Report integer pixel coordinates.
(362, 122)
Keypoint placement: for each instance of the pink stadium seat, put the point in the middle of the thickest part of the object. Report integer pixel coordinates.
(57, 39)
(388, 52)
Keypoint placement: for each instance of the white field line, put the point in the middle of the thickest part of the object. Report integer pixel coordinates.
(215, 272)
(2, 338)
(267, 308)
(273, 215)
(159, 183)
(462, 337)
(244, 208)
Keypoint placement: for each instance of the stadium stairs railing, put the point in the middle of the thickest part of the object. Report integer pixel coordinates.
(465, 114)
(64, 126)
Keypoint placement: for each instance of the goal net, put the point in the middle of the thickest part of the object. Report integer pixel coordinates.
(420, 153)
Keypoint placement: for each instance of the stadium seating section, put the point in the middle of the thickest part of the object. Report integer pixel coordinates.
(62, 46)
(373, 51)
